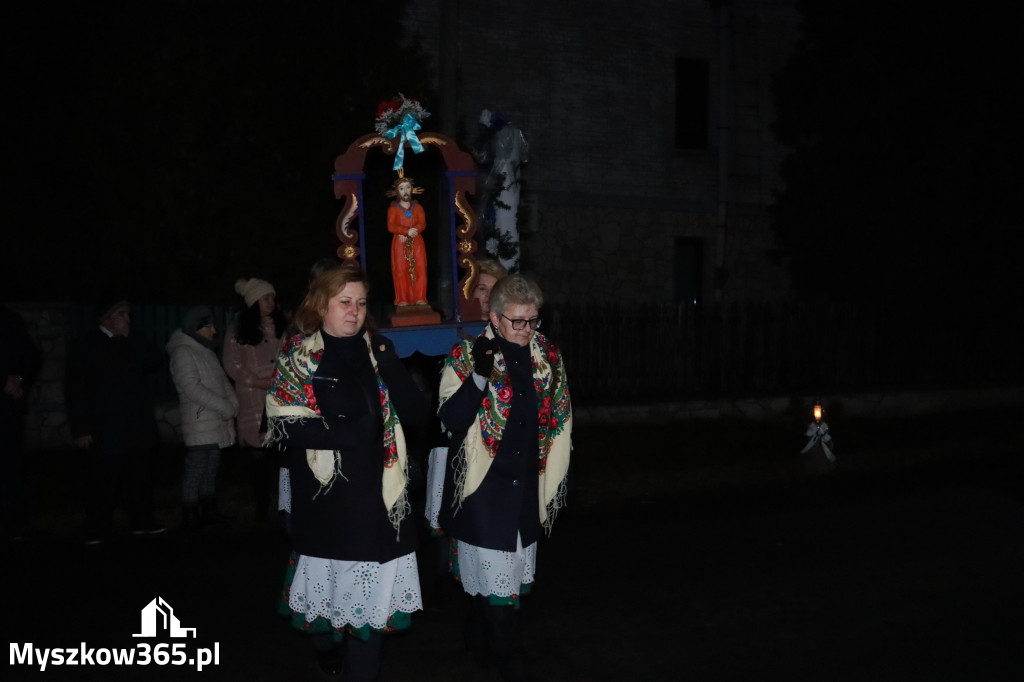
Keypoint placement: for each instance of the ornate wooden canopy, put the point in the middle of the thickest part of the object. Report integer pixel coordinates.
(460, 172)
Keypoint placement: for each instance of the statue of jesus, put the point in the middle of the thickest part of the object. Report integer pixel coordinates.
(406, 221)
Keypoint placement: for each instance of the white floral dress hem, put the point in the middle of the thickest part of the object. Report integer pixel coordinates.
(284, 490)
(355, 593)
(492, 571)
(435, 484)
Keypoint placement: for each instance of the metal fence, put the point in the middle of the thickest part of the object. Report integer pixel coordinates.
(617, 354)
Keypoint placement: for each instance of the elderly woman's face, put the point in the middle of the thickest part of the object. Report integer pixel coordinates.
(346, 310)
(505, 322)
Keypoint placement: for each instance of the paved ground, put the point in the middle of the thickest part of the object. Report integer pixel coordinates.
(894, 573)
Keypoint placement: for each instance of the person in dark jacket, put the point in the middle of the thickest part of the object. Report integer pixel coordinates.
(339, 399)
(112, 419)
(19, 363)
(490, 271)
(505, 400)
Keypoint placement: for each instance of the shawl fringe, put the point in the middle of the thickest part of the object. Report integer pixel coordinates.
(325, 486)
(555, 505)
(459, 467)
(398, 511)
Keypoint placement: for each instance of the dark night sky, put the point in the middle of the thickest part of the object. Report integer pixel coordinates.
(178, 147)
(906, 179)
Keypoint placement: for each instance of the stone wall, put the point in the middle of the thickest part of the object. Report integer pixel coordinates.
(593, 252)
(592, 87)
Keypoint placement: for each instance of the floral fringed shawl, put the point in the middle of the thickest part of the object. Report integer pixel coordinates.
(554, 421)
(290, 399)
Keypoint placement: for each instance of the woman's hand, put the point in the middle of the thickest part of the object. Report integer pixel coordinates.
(383, 350)
(484, 350)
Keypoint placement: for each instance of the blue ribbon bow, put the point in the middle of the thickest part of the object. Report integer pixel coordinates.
(819, 435)
(407, 130)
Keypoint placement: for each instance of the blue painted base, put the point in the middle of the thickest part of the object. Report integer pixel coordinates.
(433, 339)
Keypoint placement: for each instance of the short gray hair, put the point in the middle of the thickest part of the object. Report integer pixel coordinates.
(515, 289)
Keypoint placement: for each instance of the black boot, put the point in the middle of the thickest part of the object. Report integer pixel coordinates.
(208, 512)
(476, 631)
(362, 658)
(190, 518)
(260, 481)
(328, 654)
(505, 643)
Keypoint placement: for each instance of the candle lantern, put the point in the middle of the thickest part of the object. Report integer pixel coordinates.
(818, 453)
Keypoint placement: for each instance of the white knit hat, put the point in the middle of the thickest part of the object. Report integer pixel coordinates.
(253, 289)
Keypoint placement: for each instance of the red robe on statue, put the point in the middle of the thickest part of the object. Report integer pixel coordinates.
(409, 257)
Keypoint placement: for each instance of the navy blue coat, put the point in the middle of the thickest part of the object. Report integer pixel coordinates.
(506, 503)
(349, 521)
(107, 392)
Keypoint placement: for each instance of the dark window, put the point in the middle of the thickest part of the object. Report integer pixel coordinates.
(691, 104)
(687, 267)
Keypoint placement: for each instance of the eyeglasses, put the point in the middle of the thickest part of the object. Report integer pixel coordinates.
(520, 325)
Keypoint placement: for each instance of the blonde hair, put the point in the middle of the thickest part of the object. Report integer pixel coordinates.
(491, 267)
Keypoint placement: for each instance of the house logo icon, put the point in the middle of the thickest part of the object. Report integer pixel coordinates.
(158, 618)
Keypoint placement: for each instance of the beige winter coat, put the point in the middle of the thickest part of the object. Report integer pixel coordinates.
(206, 399)
(251, 368)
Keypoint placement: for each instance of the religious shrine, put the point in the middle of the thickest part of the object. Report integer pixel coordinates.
(414, 323)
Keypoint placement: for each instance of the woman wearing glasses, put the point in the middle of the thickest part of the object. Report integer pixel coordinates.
(505, 399)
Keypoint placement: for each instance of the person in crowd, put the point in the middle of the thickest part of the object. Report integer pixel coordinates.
(207, 406)
(504, 398)
(19, 363)
(321, 265)
(490, 272)
(339, 402)
(249, 355)
(111, 414)
(284, 486)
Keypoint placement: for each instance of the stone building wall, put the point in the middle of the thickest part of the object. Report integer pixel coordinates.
(592, 87)
(594, 252)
